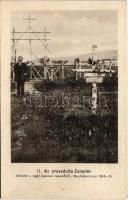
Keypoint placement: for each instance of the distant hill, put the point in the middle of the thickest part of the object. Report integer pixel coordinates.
(112, 54)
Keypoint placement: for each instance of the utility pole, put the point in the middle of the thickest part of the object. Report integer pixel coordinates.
(29, 30)
(45, 41)
(29, 19)
(15, 55)
(13, 52)
(13, 44)
(45, 54)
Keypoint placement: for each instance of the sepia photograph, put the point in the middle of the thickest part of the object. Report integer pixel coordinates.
(64, 86)
(63, 100)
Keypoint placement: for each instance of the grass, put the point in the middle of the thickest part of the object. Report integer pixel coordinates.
(61, 134)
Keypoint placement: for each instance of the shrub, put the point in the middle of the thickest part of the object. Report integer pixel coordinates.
(111, 83)
(47, 85)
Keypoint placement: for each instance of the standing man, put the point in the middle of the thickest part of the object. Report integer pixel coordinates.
(20, 71)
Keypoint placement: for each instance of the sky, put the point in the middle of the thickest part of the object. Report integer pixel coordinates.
(72, 32)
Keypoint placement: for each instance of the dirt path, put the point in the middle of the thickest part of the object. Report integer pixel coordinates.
(21, 118)
(28, 88)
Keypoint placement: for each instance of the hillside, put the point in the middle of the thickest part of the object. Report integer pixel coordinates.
(100, 55)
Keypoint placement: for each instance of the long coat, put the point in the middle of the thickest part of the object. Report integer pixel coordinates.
(20, 71)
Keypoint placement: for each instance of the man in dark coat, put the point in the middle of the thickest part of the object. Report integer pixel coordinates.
(20, 71)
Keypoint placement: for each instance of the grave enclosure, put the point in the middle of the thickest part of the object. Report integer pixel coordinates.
(45, 68)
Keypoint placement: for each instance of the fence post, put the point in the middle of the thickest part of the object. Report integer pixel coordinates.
(52, 72)
(94, 97)
(80, 68)
(62, 69)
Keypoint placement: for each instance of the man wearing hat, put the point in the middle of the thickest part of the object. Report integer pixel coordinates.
(20, 71)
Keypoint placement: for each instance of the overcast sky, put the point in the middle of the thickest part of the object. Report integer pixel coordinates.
(72, 32)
